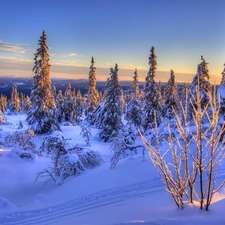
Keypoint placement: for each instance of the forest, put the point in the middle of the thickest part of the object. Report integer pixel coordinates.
(181, 127)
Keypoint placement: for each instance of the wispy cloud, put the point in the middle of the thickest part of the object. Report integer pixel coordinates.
(55, 55)
(132, 67)
(72, 54)
(15, 48)
(67, 63)
(5, 59)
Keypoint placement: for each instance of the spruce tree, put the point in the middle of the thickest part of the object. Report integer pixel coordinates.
(3, 102)
(221, 95)
(14, 104)
(22, 101)
(222, 84)
(111, 112)
(41, 117)
(182, 93)
(27, 104)
(134, 88)
(134, 112)
(200, 83)
(152, 107)
(92, 96)
(59, 106)
(171, 98)
(68, 108)
(1, 117)
(79, 105)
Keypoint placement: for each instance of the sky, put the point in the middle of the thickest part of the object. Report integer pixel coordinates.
(114, 31)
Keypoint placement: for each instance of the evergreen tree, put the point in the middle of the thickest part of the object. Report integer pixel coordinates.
(92, 96)
(86, 132)
(22, 101)
(3, 102)
(1, 117)
(134, 112)
(59, 106)
(152, 105)
(182, 93)
(170, 97)
(79, 106)
(14, 104)
(54, 92)
(200, 83)
(130, 133)
(111, 111)
(221, 93)
(222, 84)
(124, 101)
(68, 108)
(100, 98)
(161, 99)
(41, 116)
(134, 88)
(27, 104)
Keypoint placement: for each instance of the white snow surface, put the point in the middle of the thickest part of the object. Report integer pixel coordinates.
(221, 92)
(130, 194)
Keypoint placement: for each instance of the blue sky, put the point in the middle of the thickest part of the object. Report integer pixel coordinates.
(114, 31)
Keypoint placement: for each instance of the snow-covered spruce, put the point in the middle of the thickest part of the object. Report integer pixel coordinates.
(22, 143)
(92, 95)
(66, 162)
(41, 117)
(134, 106)
(79, 106)
(69, 105)
(1, 117)
(59, 106)
(152, 107)
(109, 119)
(3, 102)
(169, 108)
(221, 100)
(86, 132)
(130, 133)
(27, 104)
(23, 139)
(170, 97)
(13, 106)
(202, 85)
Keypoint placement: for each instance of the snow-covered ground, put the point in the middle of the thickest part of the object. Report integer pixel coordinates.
(132, 193)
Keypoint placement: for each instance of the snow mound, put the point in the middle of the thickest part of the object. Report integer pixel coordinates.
(37, 201)
(6, 205)
(221, 92)
(23, 154)
(67, 124)
(72, 158)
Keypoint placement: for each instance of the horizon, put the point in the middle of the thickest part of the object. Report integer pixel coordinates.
(114, 31)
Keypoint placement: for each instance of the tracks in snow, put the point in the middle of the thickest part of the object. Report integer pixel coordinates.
(84, 205)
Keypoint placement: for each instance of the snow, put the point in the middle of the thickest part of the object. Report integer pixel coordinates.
(221, 92)
(130, 194)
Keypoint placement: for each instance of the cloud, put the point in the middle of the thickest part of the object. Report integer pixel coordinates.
(66, 63)
(75, 70)
(12, 63)
(132, 67)
(72, 54)
(55, 55)
(15, 48)
(11, 60)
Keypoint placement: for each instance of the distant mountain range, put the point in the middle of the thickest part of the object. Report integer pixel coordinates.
(24, 85)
